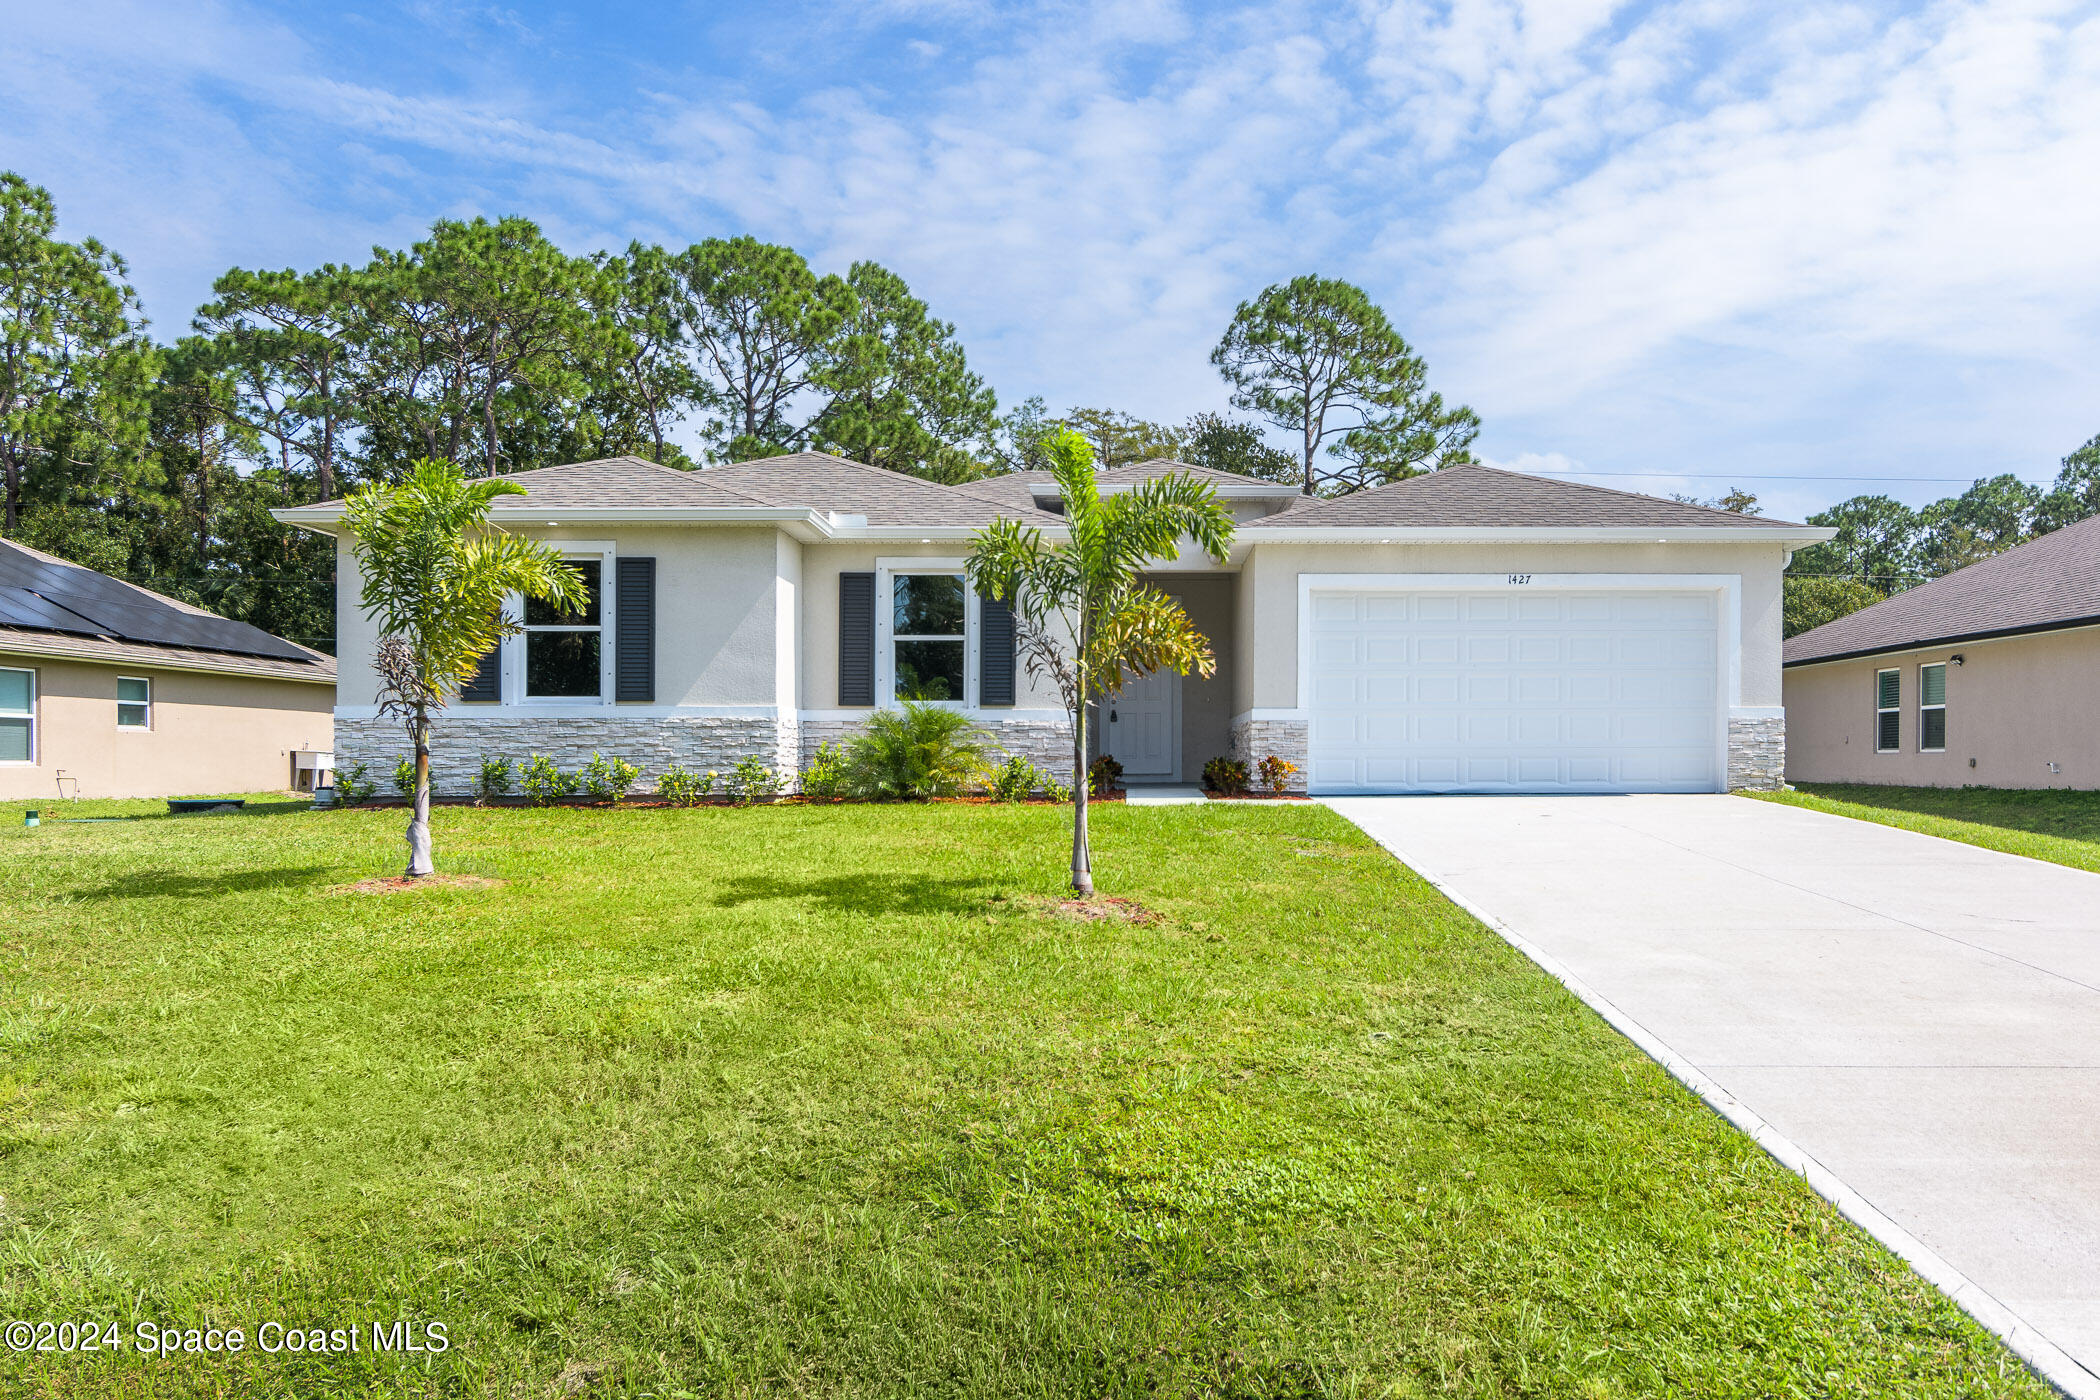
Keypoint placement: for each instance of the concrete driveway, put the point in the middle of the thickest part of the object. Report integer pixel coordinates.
(1921, 1018)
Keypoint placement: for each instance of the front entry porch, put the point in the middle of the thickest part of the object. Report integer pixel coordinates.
(1164, 727)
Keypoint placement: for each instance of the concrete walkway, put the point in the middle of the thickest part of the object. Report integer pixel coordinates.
(1920, 1017)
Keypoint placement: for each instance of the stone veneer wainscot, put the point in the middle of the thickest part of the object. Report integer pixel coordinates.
(655, 742)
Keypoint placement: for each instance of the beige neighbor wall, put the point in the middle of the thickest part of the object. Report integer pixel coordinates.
(210, 733)
(2014, 706)
(1267, 629)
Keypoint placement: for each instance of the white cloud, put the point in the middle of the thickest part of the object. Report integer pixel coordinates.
(1712, 235)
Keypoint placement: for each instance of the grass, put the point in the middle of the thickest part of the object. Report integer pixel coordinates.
(2053, 824)
(832, 1101)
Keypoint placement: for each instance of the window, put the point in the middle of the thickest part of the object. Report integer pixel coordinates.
(562, 650)
(1888, 711)
(17, 716)
(134, 703)
(1932, 708)
(927, 654)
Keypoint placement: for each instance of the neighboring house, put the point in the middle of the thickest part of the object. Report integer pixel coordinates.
(1471, 630)
(1984, 676)
(109, 690)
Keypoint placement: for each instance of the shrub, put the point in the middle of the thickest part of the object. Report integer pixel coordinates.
(754, 778)
(826, 774)
(1226, 775)
(917, 751)
(1276, 774)
(405, 777)
(494, 778)
(1016, 780)
(608, 779)
(353, 786)
(684, 787)
(1103, 775)
(543, 782)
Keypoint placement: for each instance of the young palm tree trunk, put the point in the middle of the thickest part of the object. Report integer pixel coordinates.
(419, 816)
(1082, 856)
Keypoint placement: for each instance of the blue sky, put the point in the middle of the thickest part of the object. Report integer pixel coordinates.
(1683, 244)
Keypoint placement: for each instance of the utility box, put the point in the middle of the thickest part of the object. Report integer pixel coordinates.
(312, 768)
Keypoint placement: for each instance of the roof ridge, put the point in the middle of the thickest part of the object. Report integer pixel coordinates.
(1592, 486)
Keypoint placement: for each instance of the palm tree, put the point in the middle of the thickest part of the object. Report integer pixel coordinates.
(436, 574)
(1080, 615)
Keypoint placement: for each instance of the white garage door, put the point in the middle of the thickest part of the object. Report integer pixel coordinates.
(1515, 690)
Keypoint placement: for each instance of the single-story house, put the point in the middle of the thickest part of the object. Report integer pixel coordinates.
(111, 690)
(1982, 677)
(1472, 630)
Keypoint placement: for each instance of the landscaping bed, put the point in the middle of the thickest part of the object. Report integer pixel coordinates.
(846, 1100)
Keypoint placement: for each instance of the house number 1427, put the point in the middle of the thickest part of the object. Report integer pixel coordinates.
(1520, 578)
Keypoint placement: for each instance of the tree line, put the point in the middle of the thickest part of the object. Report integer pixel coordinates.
(487, 345)
(1883, 546)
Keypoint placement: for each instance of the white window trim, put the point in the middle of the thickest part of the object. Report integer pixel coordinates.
(886, 572)
(1896, 709)
(512, 663)
(30, 714)
(1923, 708)
(146, 681)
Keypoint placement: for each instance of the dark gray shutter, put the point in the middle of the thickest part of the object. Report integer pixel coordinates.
(995, 652)
(634, 628)
(487, 685)
(856, 639)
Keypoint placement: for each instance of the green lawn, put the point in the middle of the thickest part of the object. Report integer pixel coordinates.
(833, 1101)
(2052, 824)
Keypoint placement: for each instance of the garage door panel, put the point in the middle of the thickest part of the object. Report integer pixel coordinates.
(1592, 690)
(1385, 690)
(1485, 690)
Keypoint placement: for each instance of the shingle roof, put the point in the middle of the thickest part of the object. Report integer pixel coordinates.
(1016, 489)
(796, 480)
(820, 481)
(1492, 498)
(24, 642)
(2046, 583)
(1167, 466)
(624, 481)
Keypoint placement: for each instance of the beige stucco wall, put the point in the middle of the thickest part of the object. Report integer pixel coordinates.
(821, 566)
(2015, 706)
(209, 734)
(719, 597)
(1269, 595)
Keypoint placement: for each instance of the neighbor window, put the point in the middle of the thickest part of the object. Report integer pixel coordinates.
(134, 702)
(1932, 707)
(17, 716)
(1888, 711)
(926, 637)
(562, 649)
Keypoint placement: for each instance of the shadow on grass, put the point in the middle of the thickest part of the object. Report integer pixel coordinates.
(861, 894)
(2043, 811)
(177, 884)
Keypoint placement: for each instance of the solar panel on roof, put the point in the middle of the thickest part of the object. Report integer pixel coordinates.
(123, 611)
(21, 608)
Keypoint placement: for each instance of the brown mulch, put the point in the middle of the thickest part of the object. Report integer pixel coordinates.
(396, 884)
